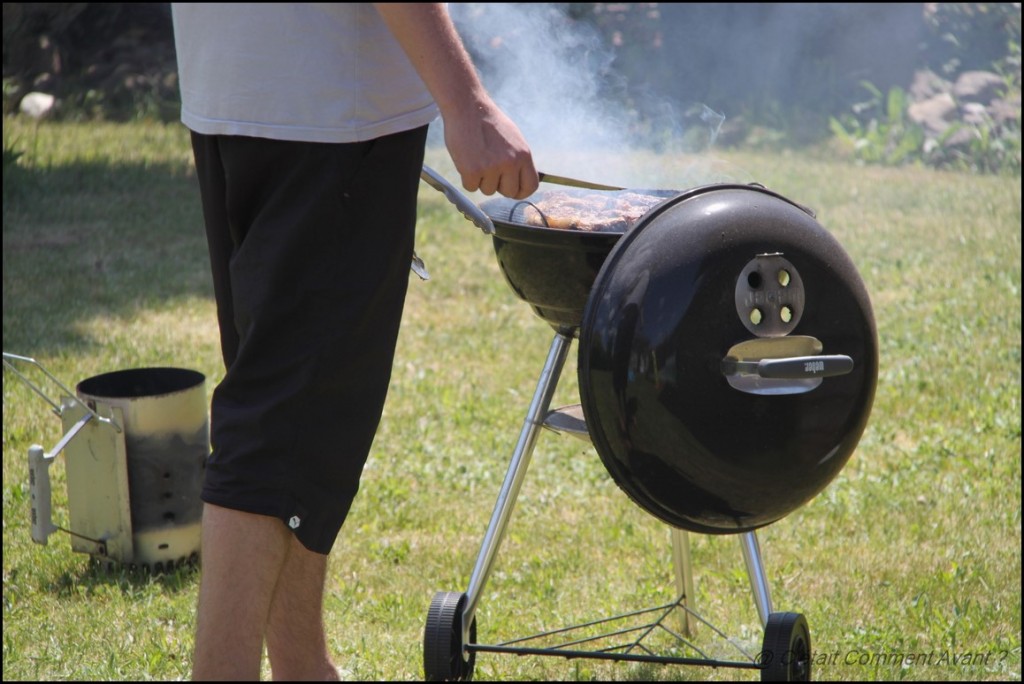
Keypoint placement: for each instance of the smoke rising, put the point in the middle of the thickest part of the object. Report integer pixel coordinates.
(542, 70)
(553, 77)
(597, 102)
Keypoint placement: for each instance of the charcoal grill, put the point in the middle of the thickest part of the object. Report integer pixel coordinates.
(727, 361)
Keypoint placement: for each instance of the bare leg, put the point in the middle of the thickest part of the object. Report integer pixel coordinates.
(296, 643)
(242, 558)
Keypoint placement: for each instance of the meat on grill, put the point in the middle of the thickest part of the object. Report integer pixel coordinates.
(590, 211)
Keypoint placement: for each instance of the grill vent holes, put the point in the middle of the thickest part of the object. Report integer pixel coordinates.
(167, 496)
(769, 296)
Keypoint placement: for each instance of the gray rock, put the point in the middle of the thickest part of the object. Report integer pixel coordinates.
(974, 113)
(935, 114)
(927, 84)
(978, 86)
(1005, 111)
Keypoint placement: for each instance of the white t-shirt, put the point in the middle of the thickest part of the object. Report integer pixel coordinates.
(312, 72)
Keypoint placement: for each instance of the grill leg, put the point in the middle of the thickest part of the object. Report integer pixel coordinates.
(684, 578)
(516, 472)
(755, 571)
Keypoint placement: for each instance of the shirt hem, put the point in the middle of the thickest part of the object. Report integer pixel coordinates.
(208, 126)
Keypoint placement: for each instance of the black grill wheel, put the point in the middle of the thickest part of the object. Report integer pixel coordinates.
(786, 651)
(442, 640)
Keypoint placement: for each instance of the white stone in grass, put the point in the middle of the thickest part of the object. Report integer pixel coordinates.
(37, 105)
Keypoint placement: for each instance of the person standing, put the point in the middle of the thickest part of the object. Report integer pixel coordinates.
(308, 125)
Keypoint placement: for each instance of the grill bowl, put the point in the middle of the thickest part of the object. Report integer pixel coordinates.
(551, 269)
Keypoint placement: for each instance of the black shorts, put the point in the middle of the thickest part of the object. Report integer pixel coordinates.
(310, 246)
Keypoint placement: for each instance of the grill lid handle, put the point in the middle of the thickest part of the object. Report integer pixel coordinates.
(793, 368)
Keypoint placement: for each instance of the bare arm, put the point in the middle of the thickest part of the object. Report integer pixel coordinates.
(487, 148)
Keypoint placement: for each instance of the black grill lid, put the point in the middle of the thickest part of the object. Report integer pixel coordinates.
(727, 359)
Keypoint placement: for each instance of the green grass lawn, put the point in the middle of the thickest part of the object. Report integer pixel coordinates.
(907, 566)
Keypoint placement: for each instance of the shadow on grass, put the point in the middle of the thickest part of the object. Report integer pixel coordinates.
(127, 580)
(94, 239)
